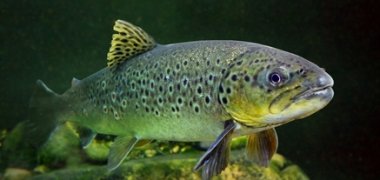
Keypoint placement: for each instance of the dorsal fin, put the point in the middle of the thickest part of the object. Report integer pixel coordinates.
(128, 41)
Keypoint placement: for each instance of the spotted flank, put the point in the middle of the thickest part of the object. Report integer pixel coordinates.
(195, 91)
(128, 41)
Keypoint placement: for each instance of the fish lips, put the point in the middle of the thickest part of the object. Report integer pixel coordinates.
(324, 92)
(285, 99)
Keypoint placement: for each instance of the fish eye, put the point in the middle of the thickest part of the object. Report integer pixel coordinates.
(277, 77)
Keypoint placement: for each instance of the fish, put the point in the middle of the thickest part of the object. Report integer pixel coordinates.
(200, 91)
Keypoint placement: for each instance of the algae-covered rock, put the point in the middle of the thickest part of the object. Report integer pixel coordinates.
(180, 166)
(63, 158)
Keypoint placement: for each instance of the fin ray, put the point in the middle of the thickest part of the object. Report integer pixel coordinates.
(261, 146)
(128, 41)
(120, 149)
(215, 160)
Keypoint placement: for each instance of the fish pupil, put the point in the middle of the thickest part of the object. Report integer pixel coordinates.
(275, 78)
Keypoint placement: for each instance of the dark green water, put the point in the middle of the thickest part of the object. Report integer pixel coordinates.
(55, 41)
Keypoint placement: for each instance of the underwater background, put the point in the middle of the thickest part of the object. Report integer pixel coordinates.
(57, 40)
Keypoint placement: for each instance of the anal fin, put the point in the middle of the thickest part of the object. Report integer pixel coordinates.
(261, 146)
(120, 149)
(215, 160)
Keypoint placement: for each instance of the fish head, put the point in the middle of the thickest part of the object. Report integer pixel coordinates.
(267, 87)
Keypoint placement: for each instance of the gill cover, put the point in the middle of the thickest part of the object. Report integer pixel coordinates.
(240, 92)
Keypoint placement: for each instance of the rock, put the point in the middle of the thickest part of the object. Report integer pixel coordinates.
(62, 157)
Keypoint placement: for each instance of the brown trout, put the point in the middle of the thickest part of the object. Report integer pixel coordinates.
(193, 91)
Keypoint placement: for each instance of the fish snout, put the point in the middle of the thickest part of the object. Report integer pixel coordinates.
(324, 80)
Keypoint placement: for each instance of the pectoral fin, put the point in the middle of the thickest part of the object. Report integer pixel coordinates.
(215, 160)
(86, 136)
(120, 149)
(261, 146)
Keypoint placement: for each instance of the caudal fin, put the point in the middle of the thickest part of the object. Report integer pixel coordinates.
(45, 106)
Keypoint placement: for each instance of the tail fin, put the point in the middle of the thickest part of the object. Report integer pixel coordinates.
(44, 110)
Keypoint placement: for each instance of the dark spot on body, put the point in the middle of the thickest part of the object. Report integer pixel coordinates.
(185, 81)
(246, 78)
(221, 89)
(170, 88)
(210, 77)
(234, 77)
(199, 90)
(207, 99)
(151, 85)
(228, 90)
(224, 100)
(196, 109)
(179, 100)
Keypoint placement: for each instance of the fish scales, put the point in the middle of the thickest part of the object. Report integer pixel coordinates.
(170, 87)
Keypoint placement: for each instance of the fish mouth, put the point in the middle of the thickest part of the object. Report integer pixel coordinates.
(324, 92)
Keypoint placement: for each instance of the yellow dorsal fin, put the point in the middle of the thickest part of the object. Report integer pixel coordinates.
(128, 41)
